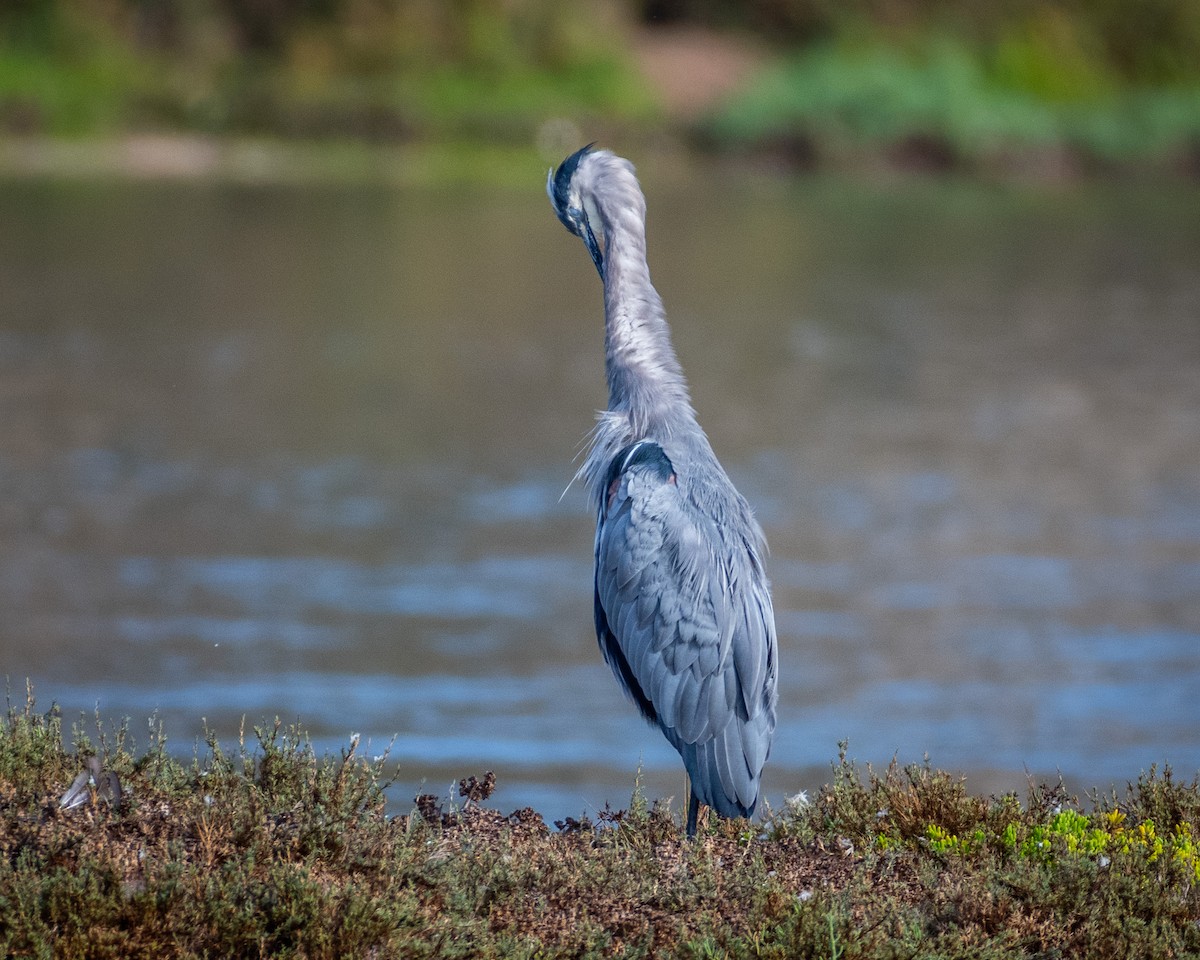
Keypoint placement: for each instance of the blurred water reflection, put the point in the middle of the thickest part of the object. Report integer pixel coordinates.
(271, 451)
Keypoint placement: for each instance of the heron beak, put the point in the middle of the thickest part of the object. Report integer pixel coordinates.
(593, 247)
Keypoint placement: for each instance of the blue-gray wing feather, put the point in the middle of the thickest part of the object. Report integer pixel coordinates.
(684, 619)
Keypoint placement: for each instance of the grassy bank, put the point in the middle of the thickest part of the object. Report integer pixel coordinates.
(336, 69)
(266, 849)
(1064, 87)
(941, 104)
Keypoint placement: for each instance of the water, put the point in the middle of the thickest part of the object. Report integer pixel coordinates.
(301, 452)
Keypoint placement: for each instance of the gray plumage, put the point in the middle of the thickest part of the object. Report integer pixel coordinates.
(93, 784)
(682, 604)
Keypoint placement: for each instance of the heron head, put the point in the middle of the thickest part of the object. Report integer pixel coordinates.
(574, 209)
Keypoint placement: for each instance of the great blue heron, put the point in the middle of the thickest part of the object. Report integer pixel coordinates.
(683, 607)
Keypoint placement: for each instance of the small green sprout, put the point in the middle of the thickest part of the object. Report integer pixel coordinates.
(942, 841)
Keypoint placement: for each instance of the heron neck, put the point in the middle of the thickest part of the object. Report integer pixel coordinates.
(645, 380)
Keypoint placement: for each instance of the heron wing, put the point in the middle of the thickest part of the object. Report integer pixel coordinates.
(685, 623)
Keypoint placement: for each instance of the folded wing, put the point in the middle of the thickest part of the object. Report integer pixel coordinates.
(684, 620)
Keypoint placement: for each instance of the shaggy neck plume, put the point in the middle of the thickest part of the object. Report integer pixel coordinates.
(645, 381)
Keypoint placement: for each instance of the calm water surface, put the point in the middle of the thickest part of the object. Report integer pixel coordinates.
(302, 452)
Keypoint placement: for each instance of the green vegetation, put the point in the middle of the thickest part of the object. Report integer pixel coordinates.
(274, 851)
(950, 104)
(1084, 84)
(1088, 83)
(390, 70)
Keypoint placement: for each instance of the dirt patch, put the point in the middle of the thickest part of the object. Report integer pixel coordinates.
(692, 69)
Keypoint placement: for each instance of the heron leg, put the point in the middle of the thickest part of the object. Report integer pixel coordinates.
(693, 814)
